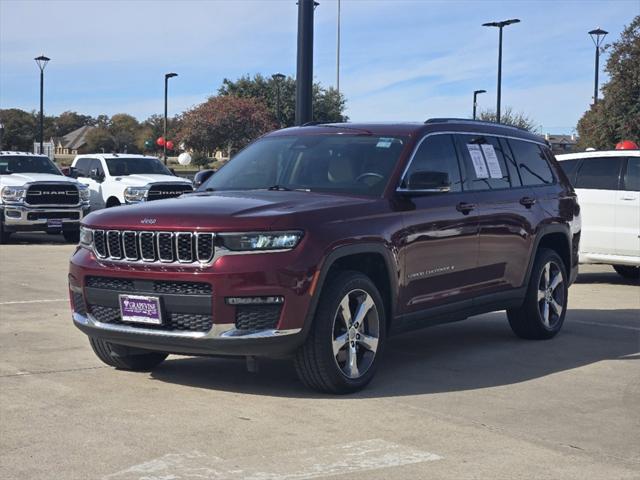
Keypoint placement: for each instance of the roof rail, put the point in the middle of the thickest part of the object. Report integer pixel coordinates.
(310, 124)
(468, 120)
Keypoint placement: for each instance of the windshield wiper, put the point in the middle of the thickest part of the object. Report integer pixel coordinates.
(279, 188)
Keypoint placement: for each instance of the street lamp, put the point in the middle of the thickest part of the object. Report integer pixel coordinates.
(167, 76)
(500, 25)
(597, 36)
(278, 78)
(475, 102)
(42, 62)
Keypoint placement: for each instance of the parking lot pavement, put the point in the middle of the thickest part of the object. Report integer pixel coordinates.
(459, 401)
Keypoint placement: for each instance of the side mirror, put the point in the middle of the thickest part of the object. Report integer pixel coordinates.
(94, 175)
(66, 171)
(202, 176)
(428, 181)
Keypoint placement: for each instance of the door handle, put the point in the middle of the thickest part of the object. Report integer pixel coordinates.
(465, 208)
(628, 198)
(527, 201)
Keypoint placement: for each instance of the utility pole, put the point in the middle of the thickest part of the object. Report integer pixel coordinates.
(304, 74)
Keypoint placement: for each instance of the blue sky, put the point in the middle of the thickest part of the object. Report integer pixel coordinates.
(400, 60)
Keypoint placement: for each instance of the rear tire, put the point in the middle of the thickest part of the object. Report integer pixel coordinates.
(71, 236)
(542, 314)
(347, 336)
(628, 271)
(116, 356)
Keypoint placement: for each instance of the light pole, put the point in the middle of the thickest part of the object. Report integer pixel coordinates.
(304, 62)
(597, 36)
(338, 53)
(475, 102)
(167, 76)
(500, 26)
(42, 62)
(278, 77)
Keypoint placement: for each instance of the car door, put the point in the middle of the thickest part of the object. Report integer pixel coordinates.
(439, 243)
(506, 210)
(596, 185)
(627, 213)
(84, 174)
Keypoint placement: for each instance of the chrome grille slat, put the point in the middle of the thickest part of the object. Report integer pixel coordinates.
(146, 246)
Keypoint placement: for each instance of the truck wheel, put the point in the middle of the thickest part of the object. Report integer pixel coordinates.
(4, 236)
(116, 356)
(542, 314)
(347, 336)
(113, 202)
(71, 236)
(628, 271)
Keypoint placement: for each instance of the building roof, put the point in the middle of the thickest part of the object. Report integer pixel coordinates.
(74, 139)
(563, 139)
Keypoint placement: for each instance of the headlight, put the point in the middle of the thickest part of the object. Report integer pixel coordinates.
(261, 240)
(13, 194)
(86, 236)
(135, 194)
(85, 194)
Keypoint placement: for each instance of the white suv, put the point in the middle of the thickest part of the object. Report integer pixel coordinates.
(118, 179)
(35, 196)
(608, 188)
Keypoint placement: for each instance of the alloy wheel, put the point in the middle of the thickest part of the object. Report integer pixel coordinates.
(551, 294)
(356, 333)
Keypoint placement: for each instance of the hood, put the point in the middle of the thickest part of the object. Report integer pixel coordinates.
(142, 179)
(227, 211)
(18, 179)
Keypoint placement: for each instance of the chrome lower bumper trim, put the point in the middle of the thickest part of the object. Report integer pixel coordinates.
(225, 331)
(23, 211)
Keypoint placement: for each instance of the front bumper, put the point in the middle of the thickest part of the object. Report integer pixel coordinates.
(288, 275)
(24, 218)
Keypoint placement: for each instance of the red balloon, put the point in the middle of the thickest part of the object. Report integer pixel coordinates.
(160, 141)
(626, 145)
(169, 145)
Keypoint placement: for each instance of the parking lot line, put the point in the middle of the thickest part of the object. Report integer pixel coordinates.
(304, 464)
(610, 325)
(35, 301)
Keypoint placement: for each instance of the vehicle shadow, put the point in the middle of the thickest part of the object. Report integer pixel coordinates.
(611, 278)
(481, 352)
(36, 239)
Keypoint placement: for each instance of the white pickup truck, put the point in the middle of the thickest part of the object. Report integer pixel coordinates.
(608, 188)
(35, 196)
(118, 179)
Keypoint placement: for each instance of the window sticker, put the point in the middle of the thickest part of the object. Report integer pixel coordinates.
(492, 160)
(384, 142)
(478, 160)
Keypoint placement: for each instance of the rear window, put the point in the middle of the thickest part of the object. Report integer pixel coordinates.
(570, 168)
(532, 163)
(599, 173)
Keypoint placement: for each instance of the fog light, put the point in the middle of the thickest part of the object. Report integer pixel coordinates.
(12, 213)
(253, 300)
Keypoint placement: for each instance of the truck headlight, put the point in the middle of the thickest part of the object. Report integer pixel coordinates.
(86, 237)
(13, 194)
(85, 194)
(135, 194)
(256, 241)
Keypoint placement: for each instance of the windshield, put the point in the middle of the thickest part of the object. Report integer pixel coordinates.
(337, 163)
(119, 167)
(27, 164)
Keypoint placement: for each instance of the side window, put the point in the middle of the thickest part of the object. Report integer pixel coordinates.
(532, 163)
(82, 167)
(437, 160)
(632, 176)
(601, 173)
(570, 167)
(484, 163)
(96, 164)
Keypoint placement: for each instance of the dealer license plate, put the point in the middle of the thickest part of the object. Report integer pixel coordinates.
(140, 309)
(54, 223)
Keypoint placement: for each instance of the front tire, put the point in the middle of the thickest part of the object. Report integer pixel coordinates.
(347, 336)
(4, 235)
(116, 356)
(628, 271)
(542, 314)
(71, 236)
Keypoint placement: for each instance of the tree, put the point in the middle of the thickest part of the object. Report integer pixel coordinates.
(328, 104)
(617, 115)
(509, 117)
(224, 122)
(153, 128)
(69, 121)
(100, 140)
(124, 129)
(19, 130)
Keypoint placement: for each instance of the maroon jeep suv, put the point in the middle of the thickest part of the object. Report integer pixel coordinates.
(318, 242)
